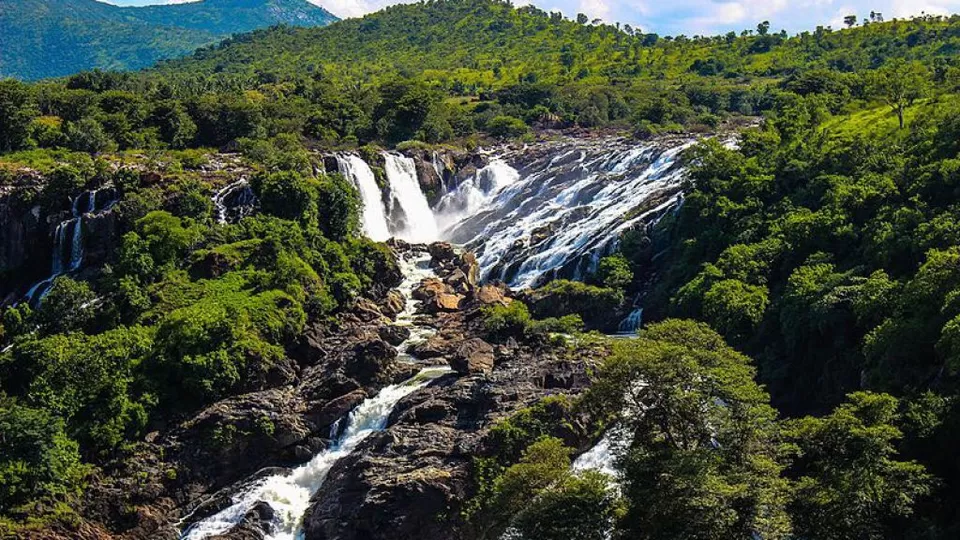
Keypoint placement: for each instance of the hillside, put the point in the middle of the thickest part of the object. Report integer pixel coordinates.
(51, 38)
(470, 46)
(206, 333)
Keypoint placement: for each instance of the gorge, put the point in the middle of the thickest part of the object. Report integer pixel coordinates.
(510, 205)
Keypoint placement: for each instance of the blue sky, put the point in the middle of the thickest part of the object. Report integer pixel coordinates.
(691, 17)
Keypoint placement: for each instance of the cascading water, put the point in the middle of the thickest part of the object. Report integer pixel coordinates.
(416, 268)
(68, 256)
(632, 323)
(600, 458)
(409, 208)
(234, 202)
(289, 494)
(472, 195)
(374, 215)
(568, 207)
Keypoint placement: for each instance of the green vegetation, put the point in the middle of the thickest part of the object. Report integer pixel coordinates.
(707, 456)
(824, 246)
(515, 321)
(188, 312)
(452, 69)
(54, 38)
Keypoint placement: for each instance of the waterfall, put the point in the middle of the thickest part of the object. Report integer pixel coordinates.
(374, 215)
(68, 256)
(632, 323)
(473, 194)
(567, 207)
(408, 201)
(234, 202)
(600, 458)
(289, 494)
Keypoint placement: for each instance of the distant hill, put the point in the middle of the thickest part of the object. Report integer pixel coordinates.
(50, 38)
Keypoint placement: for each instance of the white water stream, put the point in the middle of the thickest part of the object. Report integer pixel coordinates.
(68, 255)
(561, 213)
(408, 200)
(234, 201)
(289, 494)
(374, 215)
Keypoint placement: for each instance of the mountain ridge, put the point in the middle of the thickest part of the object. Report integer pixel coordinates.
(52, 38)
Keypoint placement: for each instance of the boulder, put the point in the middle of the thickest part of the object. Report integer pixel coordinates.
(459, 281)
(472, 357)
(491, 294)
(328, 413)
(256, 524)
(445, 303)
(442, 252)
(434, 347)
(431, 288)
(367, 310)
(393, 304)
(470, 267)
(370, 361)
(394, 335)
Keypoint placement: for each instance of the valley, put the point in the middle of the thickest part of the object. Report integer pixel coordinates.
(466, 270)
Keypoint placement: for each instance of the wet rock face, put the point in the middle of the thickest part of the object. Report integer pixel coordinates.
(442, 170)
(22, 236)
(256, 524)
(394, 335)
(412, 480)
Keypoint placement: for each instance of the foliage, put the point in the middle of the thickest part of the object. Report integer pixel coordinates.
(848, 482)
(514, 321)
(37, 460)
(704, 460)
(84, 34)
(595, 305)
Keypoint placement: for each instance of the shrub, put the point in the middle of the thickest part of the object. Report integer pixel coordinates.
(37, 459)
(506, 127)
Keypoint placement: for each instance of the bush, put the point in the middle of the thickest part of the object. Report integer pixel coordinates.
(506, 127)
(37, 459)
(614, 272)
(595, 305)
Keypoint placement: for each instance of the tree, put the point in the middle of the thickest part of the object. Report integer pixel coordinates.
(582, 19)
(87, 135)
(339, 206)
(850, 21)
(17, 111)
(763, 28)
(506, 127)
(37, 459)
(900, 84)
(847, 482)
(703, 462)
(287, 195)
(67, 307)
(574, 508)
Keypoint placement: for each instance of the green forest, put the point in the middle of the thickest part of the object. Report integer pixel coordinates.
(798, 373)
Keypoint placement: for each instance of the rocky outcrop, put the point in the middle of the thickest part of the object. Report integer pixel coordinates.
(472, 357)
(442, 170)
(412, 480)
(23, 232)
